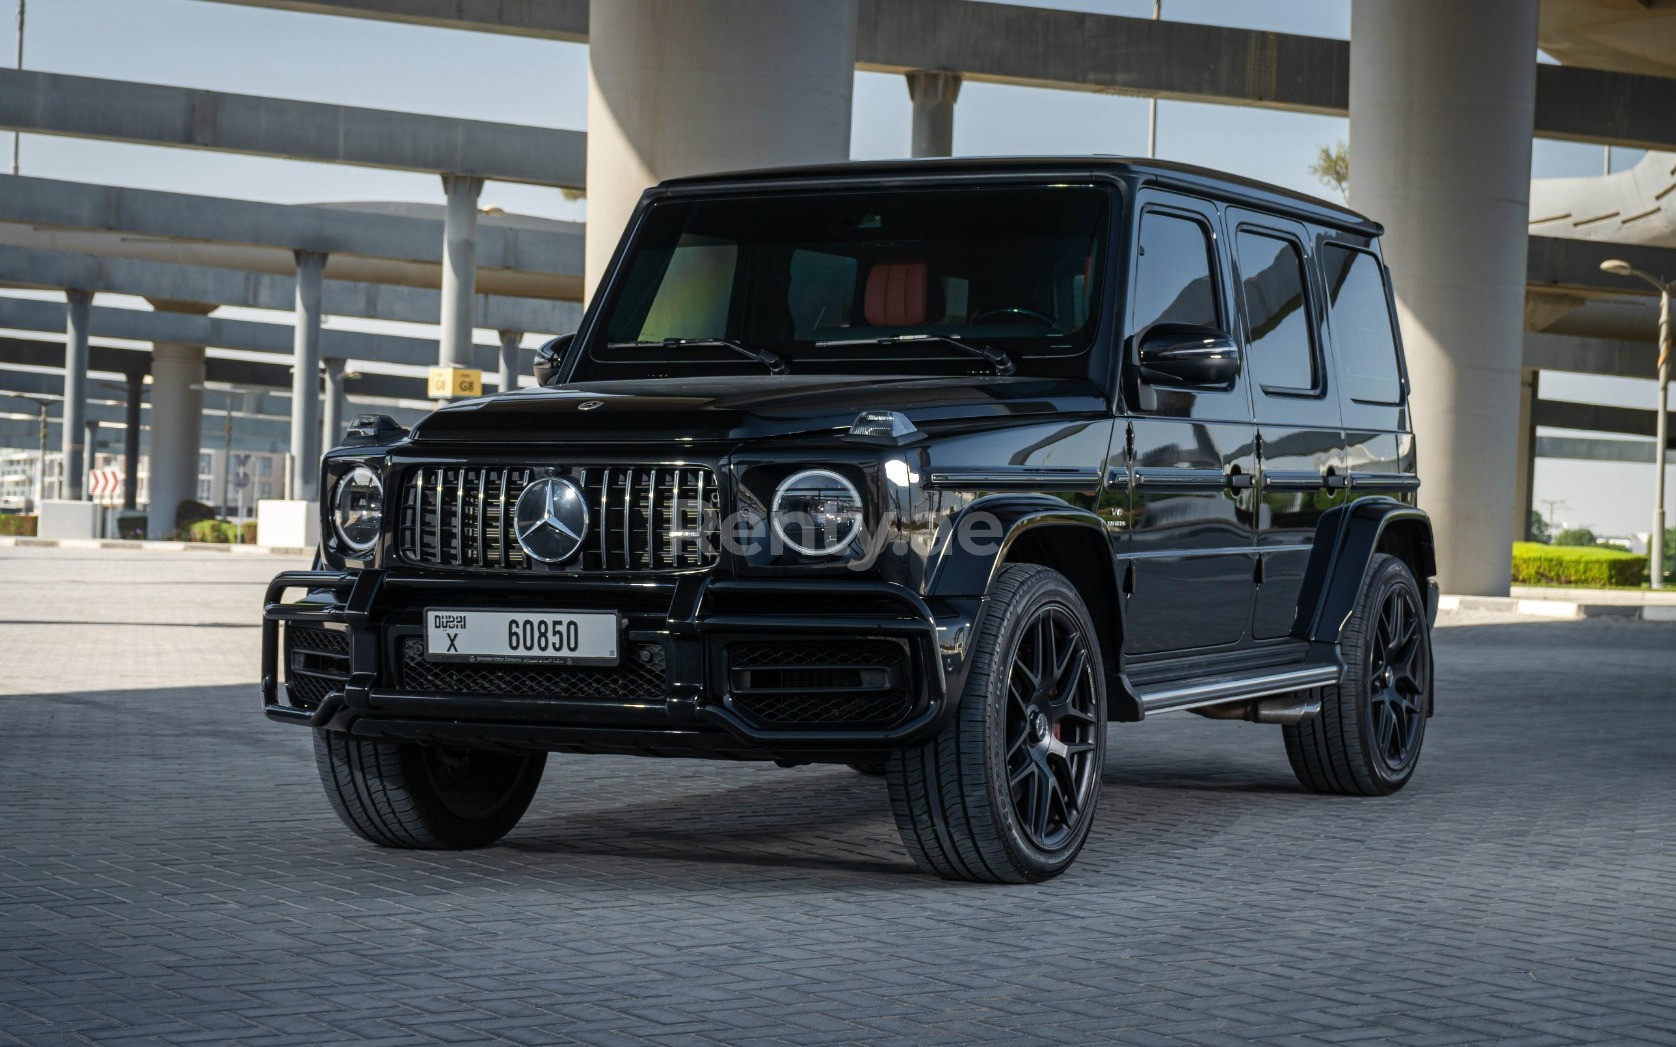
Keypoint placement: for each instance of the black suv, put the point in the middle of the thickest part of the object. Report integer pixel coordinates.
(932, 469)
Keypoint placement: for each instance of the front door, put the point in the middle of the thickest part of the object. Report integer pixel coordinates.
(1188, 453)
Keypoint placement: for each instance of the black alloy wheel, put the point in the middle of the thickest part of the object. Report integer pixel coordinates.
(1398, 679)
(1006, 791)
(1366, 740)
(1052, 728)
(429, 797)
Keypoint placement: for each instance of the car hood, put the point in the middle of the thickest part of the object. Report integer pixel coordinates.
(662, 410)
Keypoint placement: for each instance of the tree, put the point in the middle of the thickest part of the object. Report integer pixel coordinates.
(1332, 168)
(1575, 536)
(1539, 528)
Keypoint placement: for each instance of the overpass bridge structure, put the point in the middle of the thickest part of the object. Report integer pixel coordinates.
(1444, 99)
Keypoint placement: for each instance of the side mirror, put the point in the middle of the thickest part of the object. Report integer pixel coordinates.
(373, 430)
(548, 356)
(1187, 356)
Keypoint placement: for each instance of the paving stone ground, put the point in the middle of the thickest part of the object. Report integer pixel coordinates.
(170, 872)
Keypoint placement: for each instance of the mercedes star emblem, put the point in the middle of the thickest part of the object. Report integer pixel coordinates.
(550, 519)
(589, 405)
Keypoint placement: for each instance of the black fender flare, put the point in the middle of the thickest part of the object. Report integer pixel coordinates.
(960, 571)
(963, 572)
(1346, 539)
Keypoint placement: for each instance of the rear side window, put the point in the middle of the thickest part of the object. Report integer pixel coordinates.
(1360, 315)
(1173, 282)
(1277, 324)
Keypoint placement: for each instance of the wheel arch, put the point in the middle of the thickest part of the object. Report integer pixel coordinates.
(1051, 534)
(1346, 541)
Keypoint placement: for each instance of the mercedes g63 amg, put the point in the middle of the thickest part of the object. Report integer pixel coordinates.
(935, 469)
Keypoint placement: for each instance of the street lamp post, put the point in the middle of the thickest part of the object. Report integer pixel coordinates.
(1661, 425)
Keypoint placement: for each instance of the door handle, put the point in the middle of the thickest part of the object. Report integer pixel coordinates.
(1239, 479)
(1333, 480)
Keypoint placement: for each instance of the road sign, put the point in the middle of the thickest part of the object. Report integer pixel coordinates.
(456, 381)
(104, 483)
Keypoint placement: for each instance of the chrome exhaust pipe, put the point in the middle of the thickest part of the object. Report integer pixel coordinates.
(1283, 709)
(1287, 709)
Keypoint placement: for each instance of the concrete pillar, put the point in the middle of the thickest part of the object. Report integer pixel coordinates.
(680, 87)
(1441, 107)
(459, 269)
(933, 94)
(305, 378)
(131, 440)
(73, 432)
(1524, 477)
(177, 409)
(331, 425)
(509, 342)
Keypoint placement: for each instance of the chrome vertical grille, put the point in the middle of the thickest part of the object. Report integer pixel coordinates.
(643, 517)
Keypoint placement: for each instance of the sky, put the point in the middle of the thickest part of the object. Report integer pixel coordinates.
(222, 46)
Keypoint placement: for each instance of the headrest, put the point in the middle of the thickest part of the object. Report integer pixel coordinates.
(896, 294)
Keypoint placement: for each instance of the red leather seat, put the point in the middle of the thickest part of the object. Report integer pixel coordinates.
(897, 294)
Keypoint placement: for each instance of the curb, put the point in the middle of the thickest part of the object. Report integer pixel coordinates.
(14, 542)
(1571, 609)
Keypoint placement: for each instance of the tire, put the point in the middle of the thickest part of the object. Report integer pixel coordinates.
(425, 797)
(1006, 791)
(871, 768)
(1366, 740)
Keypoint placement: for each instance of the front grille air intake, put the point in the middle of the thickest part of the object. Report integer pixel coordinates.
(641, 517)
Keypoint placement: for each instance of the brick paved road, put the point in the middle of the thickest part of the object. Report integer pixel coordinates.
(169, 872)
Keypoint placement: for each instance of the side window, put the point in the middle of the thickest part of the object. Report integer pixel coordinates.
(1277, 324)
(1173, 282)
(1360, 315)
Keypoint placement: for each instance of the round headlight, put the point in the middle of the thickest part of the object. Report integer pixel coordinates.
(358, 510)
(817, 512)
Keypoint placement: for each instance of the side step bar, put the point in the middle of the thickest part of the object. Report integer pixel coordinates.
(1171, 697)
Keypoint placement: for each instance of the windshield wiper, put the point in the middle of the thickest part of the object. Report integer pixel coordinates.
(775, 363)
(1003, 363)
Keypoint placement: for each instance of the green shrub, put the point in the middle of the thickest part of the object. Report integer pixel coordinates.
(131, 525)
(219, 532)
(15, 524)
(1575, 536)
(189, 513)
(247, 533)
(1588, 567)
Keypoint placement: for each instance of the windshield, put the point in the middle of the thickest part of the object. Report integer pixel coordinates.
(925, 281)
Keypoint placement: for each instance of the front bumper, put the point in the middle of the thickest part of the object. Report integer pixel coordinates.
(687, 695)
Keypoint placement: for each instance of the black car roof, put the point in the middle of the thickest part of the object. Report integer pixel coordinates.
(1161, 172)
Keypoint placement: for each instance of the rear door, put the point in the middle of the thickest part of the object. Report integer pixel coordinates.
(1362, 336)
(1300, 434)
(1188, 452)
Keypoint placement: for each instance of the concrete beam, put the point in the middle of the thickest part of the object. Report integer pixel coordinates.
(515, 254)
(1559, 262)
(565, 20)
(1586, 449)
(1594, 418)
(51, 270)
(1040, 47)
(154, 114)
(1109, 54)
(109, 360)
(24, 314)
(1559, 352)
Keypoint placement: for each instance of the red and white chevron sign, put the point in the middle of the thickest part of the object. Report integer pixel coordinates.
(104, 483)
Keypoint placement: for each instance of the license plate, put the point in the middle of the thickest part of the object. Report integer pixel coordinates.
(555, 637)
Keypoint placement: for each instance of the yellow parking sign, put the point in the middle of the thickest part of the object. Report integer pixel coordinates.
(456, 381)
